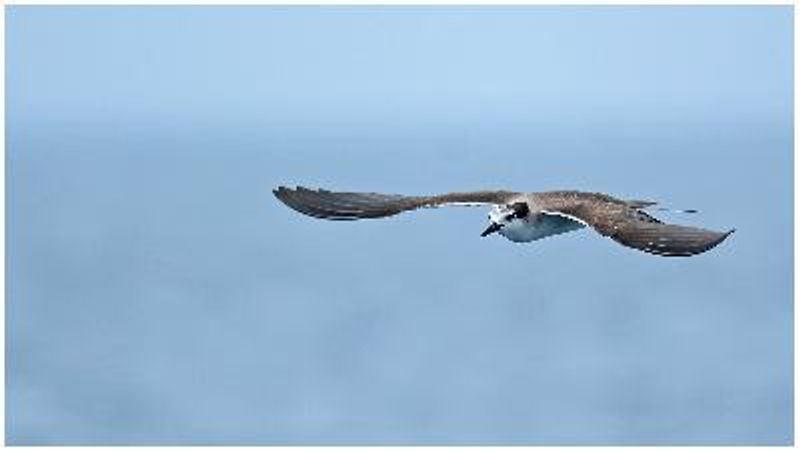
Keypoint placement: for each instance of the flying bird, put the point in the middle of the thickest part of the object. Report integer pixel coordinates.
(523, 217)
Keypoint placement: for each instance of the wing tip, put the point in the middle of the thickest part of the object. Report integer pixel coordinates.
(720, 239)
(713, 239)
(323, 204)
(724, 236)
(282, 192)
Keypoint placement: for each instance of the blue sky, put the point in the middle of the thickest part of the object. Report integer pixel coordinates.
(158, 294)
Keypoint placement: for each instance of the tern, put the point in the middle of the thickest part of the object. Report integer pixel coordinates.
(523, 217)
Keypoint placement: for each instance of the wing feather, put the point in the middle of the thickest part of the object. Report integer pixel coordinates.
(632, 227)
(357, 205)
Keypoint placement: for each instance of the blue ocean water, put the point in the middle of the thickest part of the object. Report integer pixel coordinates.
(157, 293)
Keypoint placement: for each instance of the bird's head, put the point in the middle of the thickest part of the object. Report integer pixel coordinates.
(502, 216)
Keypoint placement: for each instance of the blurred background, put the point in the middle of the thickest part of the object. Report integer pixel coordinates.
(157, 293)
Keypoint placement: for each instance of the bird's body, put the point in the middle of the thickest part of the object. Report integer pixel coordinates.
(536, 227)
(523, 217)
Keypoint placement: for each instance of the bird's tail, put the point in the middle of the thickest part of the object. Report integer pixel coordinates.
(639, 204)
(667, 209)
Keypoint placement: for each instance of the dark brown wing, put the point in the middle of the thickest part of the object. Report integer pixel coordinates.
(354, 206)
(630, 226)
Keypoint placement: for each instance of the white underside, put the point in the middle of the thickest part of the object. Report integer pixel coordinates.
(543, 226)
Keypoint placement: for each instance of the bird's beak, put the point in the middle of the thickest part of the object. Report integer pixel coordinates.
(494, 227)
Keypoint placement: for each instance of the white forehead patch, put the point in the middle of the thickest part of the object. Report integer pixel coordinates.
(498, 214)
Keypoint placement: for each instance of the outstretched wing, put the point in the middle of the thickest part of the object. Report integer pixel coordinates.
(354, 206)
(632, 227)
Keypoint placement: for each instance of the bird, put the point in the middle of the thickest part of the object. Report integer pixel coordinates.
(522, 217)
